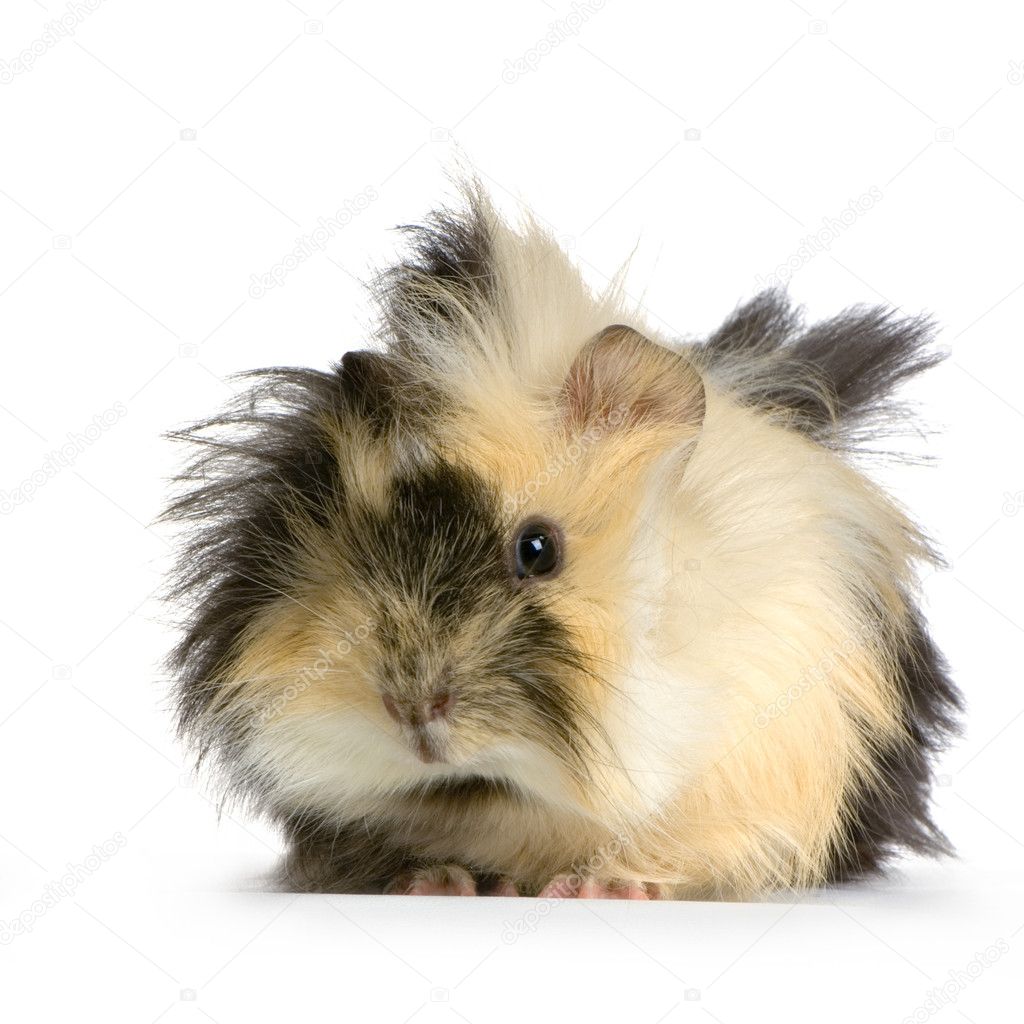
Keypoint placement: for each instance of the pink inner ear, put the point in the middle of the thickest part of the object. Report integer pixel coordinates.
(621, 379)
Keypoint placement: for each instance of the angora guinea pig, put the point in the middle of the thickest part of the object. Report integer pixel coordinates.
(525, 600)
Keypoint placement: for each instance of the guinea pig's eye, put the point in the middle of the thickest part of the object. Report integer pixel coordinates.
(536, 550)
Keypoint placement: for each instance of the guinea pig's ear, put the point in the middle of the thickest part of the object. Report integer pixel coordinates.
(620, 379)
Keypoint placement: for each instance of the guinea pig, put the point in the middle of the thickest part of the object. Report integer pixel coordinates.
(524, 599)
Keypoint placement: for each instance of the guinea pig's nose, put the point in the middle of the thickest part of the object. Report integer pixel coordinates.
(437, 705)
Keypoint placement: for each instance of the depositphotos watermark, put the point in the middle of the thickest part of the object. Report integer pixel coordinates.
(950, 991)
(822, 239)
(61, 458)
(307, 246)
(53, 32)
(512, 931)
(1012, 502)
(61, 889)
(812, 676)
(558, 31)
(568, 456)
(316, 671)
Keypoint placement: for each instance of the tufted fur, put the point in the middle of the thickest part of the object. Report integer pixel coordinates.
(727, 689)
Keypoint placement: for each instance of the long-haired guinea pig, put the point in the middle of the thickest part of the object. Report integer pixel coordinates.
(524, 600)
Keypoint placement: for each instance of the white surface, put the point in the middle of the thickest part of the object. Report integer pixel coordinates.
(126, 262)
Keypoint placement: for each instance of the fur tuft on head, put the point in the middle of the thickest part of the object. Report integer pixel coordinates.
(834, 380)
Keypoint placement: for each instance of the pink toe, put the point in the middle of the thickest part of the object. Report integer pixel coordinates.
(559, 888)
(422, 888)
(591, 889)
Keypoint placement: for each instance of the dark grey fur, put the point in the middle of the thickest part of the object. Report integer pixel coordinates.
(834, 379)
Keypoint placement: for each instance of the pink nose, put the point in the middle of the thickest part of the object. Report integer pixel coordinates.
(418, 713)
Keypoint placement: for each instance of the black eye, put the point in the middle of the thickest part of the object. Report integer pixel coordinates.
(536, 550)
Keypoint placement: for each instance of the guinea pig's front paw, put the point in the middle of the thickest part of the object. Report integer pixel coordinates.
(437, 880)
(574, 887)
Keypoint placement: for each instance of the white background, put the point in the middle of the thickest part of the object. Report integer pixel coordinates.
(164, 153)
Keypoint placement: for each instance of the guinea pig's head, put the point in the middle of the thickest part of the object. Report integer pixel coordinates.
(423, 564)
